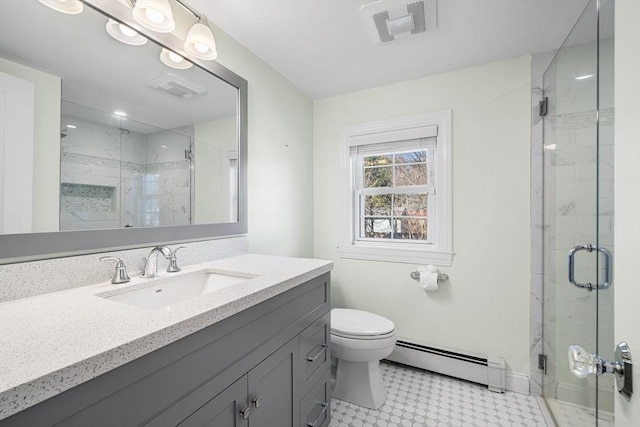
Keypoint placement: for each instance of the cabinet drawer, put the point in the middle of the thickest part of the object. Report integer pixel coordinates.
(315, 408)
(314, 351)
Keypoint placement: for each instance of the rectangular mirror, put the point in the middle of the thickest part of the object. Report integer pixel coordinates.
(104, 145)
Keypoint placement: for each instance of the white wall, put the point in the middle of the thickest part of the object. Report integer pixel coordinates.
(485, 306)
(46, 158)
(627, 189)
(280, 180)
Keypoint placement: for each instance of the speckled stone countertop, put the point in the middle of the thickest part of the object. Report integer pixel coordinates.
(52, 342)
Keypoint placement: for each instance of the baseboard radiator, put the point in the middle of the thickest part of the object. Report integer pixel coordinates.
(478, 368)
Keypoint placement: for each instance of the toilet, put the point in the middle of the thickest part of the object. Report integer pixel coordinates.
(359, 340)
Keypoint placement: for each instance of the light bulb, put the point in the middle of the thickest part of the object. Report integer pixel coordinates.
(174, 60)
(154, 15)
(127, 31)
(175, 57)
(201, 47)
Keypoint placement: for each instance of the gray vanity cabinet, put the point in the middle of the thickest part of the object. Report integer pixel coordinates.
(265, 397)
(222, 410)
(266, 366)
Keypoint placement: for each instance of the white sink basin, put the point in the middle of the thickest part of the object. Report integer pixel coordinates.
(170, 290)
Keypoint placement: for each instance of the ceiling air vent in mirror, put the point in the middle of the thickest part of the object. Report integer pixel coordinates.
(176, 86)
(390, 20)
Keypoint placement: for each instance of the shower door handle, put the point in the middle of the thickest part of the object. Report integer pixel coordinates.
(607, 267)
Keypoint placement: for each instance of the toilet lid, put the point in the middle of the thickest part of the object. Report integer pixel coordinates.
(349, 322)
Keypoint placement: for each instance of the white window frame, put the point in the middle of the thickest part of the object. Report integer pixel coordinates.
(437, 251)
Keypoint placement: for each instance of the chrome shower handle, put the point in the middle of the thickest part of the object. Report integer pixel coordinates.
(607, 267)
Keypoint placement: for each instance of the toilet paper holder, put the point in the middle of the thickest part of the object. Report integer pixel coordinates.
(442, 277)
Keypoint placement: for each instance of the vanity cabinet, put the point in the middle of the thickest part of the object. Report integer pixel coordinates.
(264, 397)
(266, 366)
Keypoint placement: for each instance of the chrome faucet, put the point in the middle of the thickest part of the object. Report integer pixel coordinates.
(173, 261)
(120, 276)
(150, 268)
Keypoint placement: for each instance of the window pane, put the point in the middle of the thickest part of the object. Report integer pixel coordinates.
(378, 177)
(379, 205)
(410, 205)
(411, 228)
(383, 160)
(379, 228)
(412, 157)
(411, 174)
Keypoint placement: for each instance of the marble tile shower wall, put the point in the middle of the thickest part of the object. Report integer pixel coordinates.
(571, 216)
(167, 180)
(148, 186)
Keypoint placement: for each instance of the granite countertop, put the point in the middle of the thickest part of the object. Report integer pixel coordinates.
(52, 342)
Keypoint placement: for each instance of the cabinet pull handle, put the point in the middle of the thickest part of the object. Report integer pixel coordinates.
(257, 402)
(324, 409)
(313, 358)
(245, 412)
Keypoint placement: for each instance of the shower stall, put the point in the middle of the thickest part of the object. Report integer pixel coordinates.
(578, 285)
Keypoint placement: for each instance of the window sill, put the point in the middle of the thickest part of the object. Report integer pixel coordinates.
(401, 255)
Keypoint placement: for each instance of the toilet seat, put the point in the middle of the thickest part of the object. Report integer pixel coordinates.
(360, 325)
(363, 337)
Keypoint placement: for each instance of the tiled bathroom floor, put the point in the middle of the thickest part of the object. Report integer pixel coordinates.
(418, 398)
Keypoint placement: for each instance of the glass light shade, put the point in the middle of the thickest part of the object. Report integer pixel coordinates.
(155, 15)
(124, 34)
(71, 7)
(174, 60)
(200, 42)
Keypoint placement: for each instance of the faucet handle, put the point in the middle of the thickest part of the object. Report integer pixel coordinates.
(120, 275)
(173, 260)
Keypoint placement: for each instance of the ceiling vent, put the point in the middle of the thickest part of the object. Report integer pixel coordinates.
(390, 20)
(176, 86)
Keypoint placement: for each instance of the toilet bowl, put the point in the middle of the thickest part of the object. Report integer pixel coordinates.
(359, 340)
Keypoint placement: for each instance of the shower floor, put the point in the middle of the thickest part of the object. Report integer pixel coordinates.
(420, 398)
(570, 415)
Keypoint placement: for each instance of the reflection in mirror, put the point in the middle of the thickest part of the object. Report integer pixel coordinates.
(99, 134)
(117, 173)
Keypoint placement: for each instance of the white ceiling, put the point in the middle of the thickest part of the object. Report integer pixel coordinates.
(321, 46)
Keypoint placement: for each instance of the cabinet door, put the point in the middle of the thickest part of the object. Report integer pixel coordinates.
(273, 389)
(223, 410)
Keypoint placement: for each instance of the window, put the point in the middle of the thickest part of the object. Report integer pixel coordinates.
(397, 190)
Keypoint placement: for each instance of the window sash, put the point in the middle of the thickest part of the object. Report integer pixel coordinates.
(358, 155)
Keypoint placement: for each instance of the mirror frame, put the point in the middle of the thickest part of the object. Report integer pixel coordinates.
(37, 246)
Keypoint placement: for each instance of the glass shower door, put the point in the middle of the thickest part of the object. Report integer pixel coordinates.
(578, 217)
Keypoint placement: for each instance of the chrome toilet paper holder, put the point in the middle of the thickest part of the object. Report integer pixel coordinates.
(442, 277)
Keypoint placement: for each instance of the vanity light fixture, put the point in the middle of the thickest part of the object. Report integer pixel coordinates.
(174, 60)
(155, 15)
(124, 34)
(71, 7)
(200, 42)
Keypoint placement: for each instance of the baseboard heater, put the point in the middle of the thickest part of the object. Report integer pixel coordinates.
(478, 368)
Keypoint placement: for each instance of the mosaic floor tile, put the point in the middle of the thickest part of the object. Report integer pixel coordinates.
(418, 398)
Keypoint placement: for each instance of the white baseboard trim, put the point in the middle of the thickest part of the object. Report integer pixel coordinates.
(517, 382)
(478, 368)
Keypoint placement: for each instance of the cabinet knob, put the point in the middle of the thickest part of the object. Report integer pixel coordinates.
(257, 402)
(245, 412)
